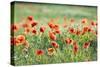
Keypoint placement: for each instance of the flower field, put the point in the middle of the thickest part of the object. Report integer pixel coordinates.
(49, 33)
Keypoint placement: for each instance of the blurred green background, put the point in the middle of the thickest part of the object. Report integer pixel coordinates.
(44, 12)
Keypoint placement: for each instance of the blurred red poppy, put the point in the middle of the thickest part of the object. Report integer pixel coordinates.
(39, 52)
(33, 23)
(14, 27)
(93, 23)
(84, 20)
(78, 32)
(51, 25)
(52, 36)
(34, 31)
(14, 41)
(21, 38)
(71, 30)
(30, 18)
(58, 31)
(56, 27)
(54, 44)
(42, 29)
(86, 45)
(86, 29)
(68, 40)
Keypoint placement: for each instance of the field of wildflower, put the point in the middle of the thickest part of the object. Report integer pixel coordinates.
(52, 33)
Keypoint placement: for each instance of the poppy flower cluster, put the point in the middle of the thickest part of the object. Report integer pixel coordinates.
(18, 40)
(54, 29)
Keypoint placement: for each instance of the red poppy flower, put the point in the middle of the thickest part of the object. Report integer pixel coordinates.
(33, 23)
(86, 45)
(52, 36)
(51, 25)
(78, 32)
(14, 41)
(56, 27)
(71, 30)
(17, 42)
(89, 29)
(68, 40)
(54, 44)
(39, 52)
(85, 29)
(34, 31)
(21, 38)
(84, 20)
(14, 27)
(42, 29)
(30, 18)
(58, 31)
(93, 23)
